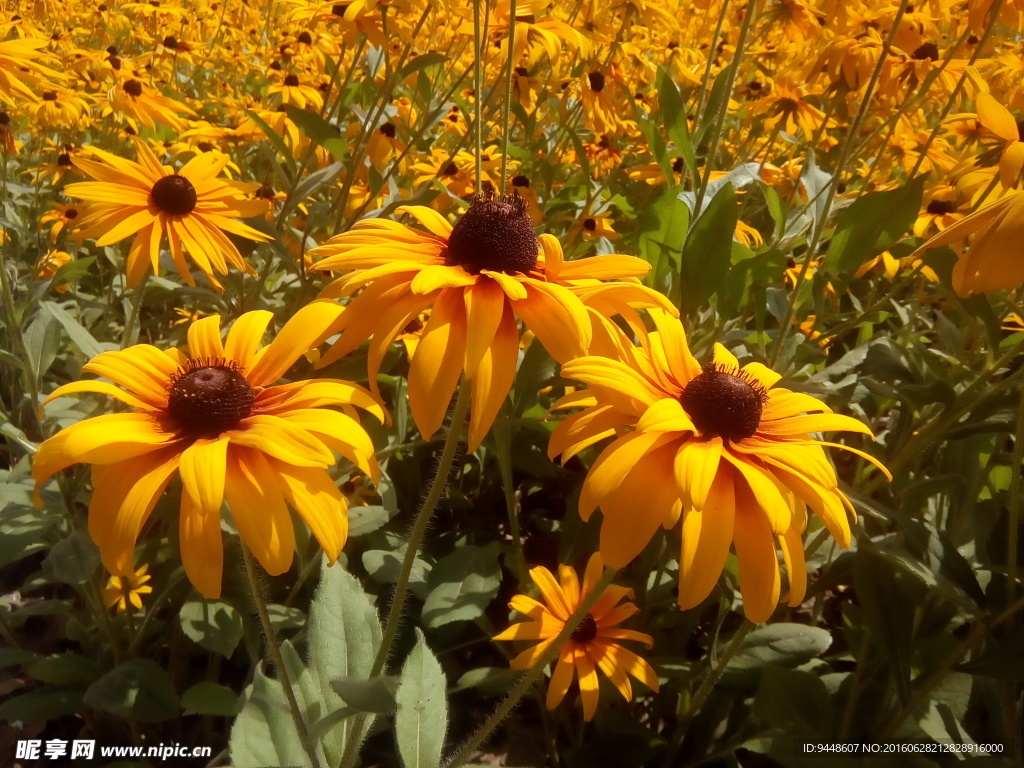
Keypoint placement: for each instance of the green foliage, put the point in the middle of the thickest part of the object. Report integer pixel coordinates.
(462, 585)
(422, 716)
(213, 624)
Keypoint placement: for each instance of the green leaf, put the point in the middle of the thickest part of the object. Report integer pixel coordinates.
(494, 681)
(78, 334)
(795, 701)
(673, 117)
(717, 102)
(65, 669)
(263, 733)
(781, 645)
(422, 717)
(344, 635)
(275, 139)
(314, 127)
(421, 62)
(309, 185)
(367, 519)
(872, 224)
(286, 617)
(135, 690)
(42, 704)
(706, 254)
(42, 340)
(73, 560)
(462, 585)
(208, 698)
(10, 657)
(213, 624)
(375, 695)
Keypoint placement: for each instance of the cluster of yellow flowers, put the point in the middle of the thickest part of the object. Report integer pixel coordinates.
(718, 449)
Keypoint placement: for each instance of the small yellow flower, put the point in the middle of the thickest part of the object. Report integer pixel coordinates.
(594, 643)
(128, 589)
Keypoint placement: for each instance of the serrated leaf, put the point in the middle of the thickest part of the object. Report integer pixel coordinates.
(422, 716)
(462, 585)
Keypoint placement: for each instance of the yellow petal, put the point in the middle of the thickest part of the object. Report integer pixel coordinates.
(316, 498)
(665, 415)
(706, 536)
(815, 422)
(996, 117)
(792, 547)
(589, 684)
(725, 359)
(695, 467)
(557, 317)
(551, 591)
(253, 491)
(202, 553)
(305, 329)
(283, 440)
(436, 276)
(760, 582)
(437, 364)
(341, 433)
(245, 336)
(435, 223)
(613, 465)
(561, 679)
(493, 379)
(99, 387)
(583, 429)
(765, 491)
(485, 305)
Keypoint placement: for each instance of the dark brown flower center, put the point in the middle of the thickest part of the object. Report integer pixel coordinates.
(133, 88)
(64, 159)
(388, 129)
(926, 51)
(209, 397)
(586, 631)
(339, 9)
(941, 206)
(49, 96)
(170, 42)
(291, 81)
(450, 169)
(596, 81)
(723, 403)
(494, 234)
(521, 181)
(305, 38)
(70, 214)
(174, 195)
(677, 165)
(590, 224)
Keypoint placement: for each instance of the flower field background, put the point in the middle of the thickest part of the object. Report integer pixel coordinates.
(408, 383)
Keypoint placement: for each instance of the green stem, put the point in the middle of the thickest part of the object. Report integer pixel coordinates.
(1013, 514)
(131, 331)
(508, 91)
(503, 440)
(274, 651)
(527, 681)
(478, 128)
(819, 225)
(419, 527)
(710, 63)
(734, 66)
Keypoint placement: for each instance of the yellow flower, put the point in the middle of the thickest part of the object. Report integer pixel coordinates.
(121, 591)
(20, 64)
(477, 277)
(192, 207)
(290, 90)
(992, 259)
(738, 448)
(1010, 148)
(215, 418)
(58, 110)
(592, 646)
(134, 99)
(49, 263)
(62, 216)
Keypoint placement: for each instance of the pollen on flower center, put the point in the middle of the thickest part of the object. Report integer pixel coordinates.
(174, 195)
(209, 397)
(586, 631)
(495, 234)
(133, 88)
(724, 403)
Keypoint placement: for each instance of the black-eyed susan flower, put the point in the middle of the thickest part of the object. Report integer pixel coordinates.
(992, 236)
(192, 208)
(140, 102)
(21, 65)
(739, 450)
(216, 418)
(478, 277)
(60, 217)
(122, 591)
(593, 646)
(49, 263)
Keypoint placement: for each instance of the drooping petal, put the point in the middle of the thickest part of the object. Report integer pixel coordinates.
(253, 493)
(696, 465)
(792, 547)
(760, 582)
(202, 551)
(316, 498)
(492, 381)
(589, 684)
(613, 465)
(485, 306)
(706, 536)
(437, 363)
(283, 440)
(202, 469)
(551, 591)
(561, 678)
